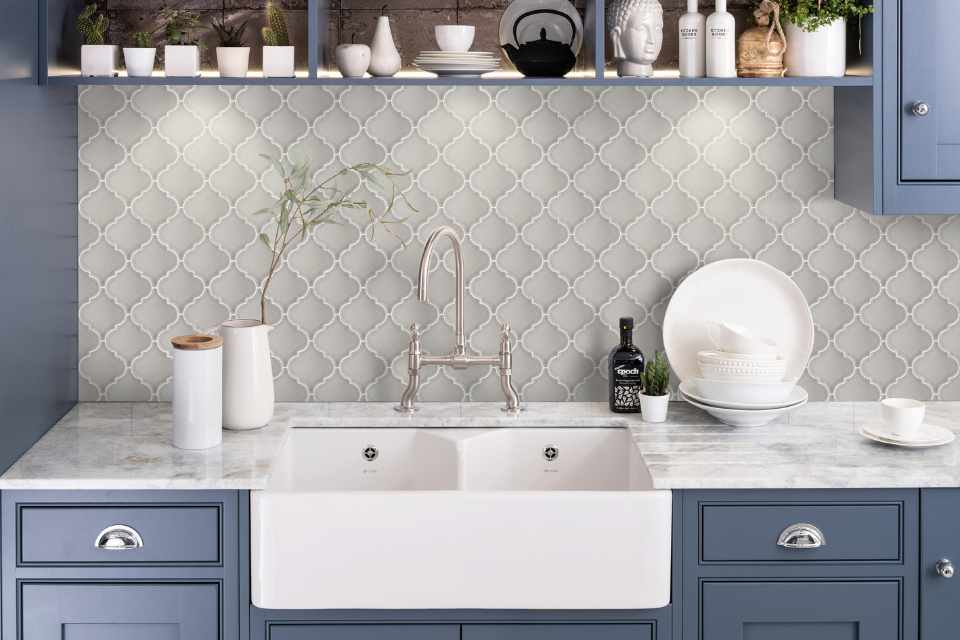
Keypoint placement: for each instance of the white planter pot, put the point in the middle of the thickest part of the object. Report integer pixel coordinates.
(99, 60)
(233, 62)
(820, 53)
(278, 62)
(181, 60)
(654, 408)
(247, 374)
(139, 61)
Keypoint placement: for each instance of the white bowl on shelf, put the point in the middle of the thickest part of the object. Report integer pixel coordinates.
(796, 396)
(743, 417)
(745, 393)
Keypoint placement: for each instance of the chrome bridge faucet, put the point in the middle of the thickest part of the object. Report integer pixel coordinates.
(459, 359)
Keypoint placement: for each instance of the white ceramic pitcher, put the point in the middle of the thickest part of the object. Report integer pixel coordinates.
(247, 374)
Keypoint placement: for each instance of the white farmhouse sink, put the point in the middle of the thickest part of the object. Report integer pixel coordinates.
(457, 518)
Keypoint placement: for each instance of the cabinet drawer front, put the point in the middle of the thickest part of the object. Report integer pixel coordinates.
(118, 611)
(744, 533)
(842, 610)
(363, 632)
(557, 632)
(67, 534)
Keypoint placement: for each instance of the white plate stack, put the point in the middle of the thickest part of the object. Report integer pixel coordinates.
(739, 334)
(464, 64)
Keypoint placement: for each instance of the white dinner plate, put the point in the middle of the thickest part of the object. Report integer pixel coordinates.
(557, 28)
(928, 435)
(746, 292)
(797, 396)
(743, 417)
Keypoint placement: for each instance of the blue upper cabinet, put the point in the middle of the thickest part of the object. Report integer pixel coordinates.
(898, 142)
(929, 99)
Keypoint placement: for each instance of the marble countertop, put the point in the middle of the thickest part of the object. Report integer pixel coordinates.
(128, 446)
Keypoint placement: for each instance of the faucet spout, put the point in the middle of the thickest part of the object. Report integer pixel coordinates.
(422, 281)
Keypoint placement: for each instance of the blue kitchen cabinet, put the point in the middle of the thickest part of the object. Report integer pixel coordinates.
(364, 632)
(898, 142)
(119, 611)
(558, 632)
(821, 610)
(939, 587)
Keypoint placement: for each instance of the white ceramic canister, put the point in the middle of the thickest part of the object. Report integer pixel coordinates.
(247, 374)
(197, 391)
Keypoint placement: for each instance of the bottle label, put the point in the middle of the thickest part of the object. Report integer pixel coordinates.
(689, 33)
(718, 32)
(627, 385)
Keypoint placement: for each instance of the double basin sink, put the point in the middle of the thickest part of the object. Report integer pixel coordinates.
(402, 518)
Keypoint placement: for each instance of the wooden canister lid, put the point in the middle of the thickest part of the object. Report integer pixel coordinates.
(198, 342)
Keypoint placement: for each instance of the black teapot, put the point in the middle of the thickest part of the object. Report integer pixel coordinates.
(542, 58)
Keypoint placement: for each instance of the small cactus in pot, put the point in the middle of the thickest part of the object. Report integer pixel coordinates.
(96, 57)
(233, 57)
(278, 54)
(139, 58)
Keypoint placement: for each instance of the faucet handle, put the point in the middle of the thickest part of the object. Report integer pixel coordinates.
(414, 331)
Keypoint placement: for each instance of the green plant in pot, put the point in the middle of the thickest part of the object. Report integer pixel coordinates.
(181, 54)
(816, 33)
(96, 57)
(278, 54)
(655, 398)
(140, 57)
(303, 207)
(233, 57)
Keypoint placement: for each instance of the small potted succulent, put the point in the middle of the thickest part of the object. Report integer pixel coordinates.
(233, 58)
(140, 57)
(816, 33)
(278, 55)
(96, 57)
(656, 389)
(181, 55)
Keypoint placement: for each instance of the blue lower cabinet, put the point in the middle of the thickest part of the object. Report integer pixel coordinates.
(363, 632)
(119, 611)
(940, 564)
(835, 610)
(558, 632)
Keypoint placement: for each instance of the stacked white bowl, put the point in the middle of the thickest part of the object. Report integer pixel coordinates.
(742, 381)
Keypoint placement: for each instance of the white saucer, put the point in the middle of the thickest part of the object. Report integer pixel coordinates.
(929, 435)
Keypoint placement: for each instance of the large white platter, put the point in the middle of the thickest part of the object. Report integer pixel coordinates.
(746, 292)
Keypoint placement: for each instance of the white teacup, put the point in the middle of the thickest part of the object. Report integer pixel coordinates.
(902, 416)
(454, 37)
(353, 60)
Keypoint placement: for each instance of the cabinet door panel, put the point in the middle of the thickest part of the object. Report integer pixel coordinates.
(51, 611)
(941, 541)
(800, 610)
(363, 632)
(558, 632)
(930, 144)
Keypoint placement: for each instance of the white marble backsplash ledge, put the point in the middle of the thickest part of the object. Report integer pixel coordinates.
(127, 446)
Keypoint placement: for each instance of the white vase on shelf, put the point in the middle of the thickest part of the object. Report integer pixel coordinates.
(384, 57)
(247, 374)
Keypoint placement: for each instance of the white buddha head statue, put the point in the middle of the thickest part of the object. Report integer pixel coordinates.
(636, 30)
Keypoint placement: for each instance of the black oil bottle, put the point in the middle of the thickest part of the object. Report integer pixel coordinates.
(626, 370)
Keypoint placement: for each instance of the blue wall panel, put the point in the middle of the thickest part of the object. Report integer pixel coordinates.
(38, 240)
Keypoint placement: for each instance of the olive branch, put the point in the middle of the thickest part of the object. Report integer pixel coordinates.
(303, 206)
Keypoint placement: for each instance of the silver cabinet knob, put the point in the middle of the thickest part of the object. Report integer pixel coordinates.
(945, 568)
(802, 536)
(920, 109)
(118, 537)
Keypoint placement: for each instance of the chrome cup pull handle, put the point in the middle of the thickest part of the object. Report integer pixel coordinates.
(118, 537)
(801, 536)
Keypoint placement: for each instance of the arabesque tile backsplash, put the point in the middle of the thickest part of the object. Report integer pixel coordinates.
(577, 205)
